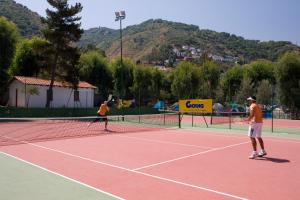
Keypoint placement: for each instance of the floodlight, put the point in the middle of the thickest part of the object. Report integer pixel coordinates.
(122, 14)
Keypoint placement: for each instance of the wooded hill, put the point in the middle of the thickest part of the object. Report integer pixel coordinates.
(28, 22)
(142, 40)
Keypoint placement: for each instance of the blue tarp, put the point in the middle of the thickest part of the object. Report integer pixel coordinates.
(159, 105)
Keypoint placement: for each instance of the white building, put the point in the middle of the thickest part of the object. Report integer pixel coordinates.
(32, 92)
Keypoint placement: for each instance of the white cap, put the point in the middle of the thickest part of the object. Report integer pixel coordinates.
(253, 98)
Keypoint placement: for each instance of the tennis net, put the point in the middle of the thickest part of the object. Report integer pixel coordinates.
(228, 117)
(27, 130)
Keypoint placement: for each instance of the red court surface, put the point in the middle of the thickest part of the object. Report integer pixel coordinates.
(172, 164)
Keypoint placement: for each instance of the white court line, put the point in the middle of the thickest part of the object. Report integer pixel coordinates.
(65, 177)
(188, 156)
(137, 172)
(164, 142)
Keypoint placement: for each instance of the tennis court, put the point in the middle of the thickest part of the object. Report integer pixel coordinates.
(70, 159)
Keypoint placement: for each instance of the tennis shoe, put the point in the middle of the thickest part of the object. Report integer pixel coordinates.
(262, 153)
(253, 155)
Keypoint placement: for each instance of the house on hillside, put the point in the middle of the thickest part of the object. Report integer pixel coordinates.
(32, 92)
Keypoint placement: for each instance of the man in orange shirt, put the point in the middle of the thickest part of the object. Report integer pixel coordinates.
(255, 127)
(103, 109)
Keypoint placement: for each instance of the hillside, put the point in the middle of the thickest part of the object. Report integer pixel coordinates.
(101, 36)
(140, 40)
(28, 22)
(145, 41)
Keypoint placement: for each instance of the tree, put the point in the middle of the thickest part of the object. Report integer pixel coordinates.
(203, 59)
(246, 90)
(260, 70)
(166, 92)
(166, 53)
(94, 68)
(123, 77)
(288, 72)
(264, 92)
(62, 31)
(210, 74)
(231, 81)
(185, 81)
(28, 60)
(92, 47)
(8, 40)
(142, 77)
(157, 83)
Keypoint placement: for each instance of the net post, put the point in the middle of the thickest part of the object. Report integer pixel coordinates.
(272, 127)
(179, 120)
(230, 120)
(192, 119)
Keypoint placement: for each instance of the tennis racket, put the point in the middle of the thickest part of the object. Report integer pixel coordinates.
(110, 100)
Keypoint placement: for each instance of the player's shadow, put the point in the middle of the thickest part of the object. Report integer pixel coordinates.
(275, 160)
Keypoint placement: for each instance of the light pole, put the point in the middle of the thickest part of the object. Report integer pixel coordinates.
(119, 17)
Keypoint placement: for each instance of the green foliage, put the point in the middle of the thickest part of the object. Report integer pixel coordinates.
(28, 22)
(94, 68)
(260, 70)
(246, 90)
(165, 92)
(210, 75)
(123, 77)
(142, 81)
(185, 81)
(288, 72)
(231, 81)
(8, 41)
(157, 83)
(101, 36)
(28, 60)
(92, 47)
(264, 92)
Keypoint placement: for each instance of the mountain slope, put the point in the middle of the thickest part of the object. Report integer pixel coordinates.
(140, 40)
(28, 22)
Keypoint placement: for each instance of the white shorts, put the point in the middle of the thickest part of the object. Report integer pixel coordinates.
(255, 130)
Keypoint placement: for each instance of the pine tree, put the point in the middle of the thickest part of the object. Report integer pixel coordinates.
(63, 30)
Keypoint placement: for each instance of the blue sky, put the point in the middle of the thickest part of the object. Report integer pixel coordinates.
(252, 19)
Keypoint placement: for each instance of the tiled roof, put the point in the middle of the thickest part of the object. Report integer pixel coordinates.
(45, 82)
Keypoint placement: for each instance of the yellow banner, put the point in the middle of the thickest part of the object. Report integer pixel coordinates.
(195, 106)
